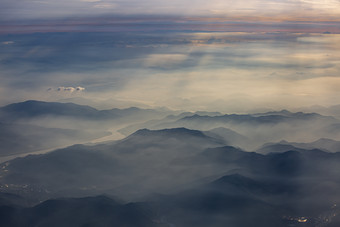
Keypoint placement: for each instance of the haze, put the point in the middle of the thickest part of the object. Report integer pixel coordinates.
(169, 113)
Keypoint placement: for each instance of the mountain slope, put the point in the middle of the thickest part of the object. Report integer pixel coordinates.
(90, 211)
(113, 166)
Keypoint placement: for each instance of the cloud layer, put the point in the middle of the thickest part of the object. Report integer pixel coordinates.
(234, 71)
(259, 8)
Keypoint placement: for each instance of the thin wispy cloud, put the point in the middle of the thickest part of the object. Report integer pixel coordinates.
(7, 42)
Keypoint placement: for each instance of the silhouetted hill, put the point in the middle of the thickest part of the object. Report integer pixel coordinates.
(172, 132)
(276, 148)
(32, 125)
(322, 144)
(32, 108)
(250, 130)
(89, 211)
(203, 182)
(158, 157)
(264, 118)
(216, 205)
(35, 109)
(96, 168)
(239, 184)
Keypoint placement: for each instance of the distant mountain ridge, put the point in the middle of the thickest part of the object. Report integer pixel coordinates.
(33, 108)
(325, 144)
(264, 118)
(171, 132)
(33, 126)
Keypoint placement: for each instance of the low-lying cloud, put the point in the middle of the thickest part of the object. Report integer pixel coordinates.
(7, 42)
(228, 72)
(67, 89)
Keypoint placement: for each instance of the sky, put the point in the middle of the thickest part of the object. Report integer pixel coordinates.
(190, 55)
(291, 9)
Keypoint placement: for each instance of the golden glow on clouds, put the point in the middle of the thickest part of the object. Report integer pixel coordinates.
(164, 60)
(228, 72)
(292, 78)
(224, 91)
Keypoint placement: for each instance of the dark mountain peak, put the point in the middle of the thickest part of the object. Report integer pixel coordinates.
(315, 152)
(33, 108)
(178, 116)
(282, 146)
(206, 113)
(293, 115)
(41, 104)
(100, 199)
(325, 140)
(133, 108)
(193, 116)
(240, 183)
(283, 142)
(303, 152)
(129, 110)
(284, 111)
(290, 153)
(269, 118)
(235, 179)
(170, 132)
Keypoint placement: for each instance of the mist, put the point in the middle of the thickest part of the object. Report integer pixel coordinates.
(113, 115)
(227, 72)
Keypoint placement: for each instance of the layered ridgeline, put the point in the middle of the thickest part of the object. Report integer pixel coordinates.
(35, 125)
(255, 129)
(172, 168)
(184, 178)
(36, 109)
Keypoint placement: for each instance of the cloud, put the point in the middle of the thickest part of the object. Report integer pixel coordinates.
(231, 71)
(80, 88)
(105, 6)
(7, 42)
(68, 89)
(164, 60)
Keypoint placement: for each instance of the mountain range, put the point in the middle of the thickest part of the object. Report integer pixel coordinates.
(168, 176)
